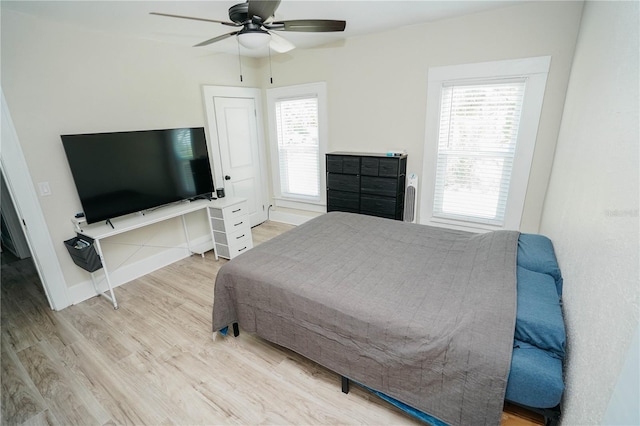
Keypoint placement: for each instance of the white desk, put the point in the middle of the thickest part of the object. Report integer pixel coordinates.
(99, 231)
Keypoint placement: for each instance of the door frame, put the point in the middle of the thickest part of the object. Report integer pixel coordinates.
(14, 228)
(25, 200)
(211, 92)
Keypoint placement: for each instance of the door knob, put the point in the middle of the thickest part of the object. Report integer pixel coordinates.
(227, 177)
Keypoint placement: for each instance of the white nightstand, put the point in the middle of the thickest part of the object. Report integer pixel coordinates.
(230, 227)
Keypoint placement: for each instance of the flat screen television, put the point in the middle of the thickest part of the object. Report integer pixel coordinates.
(126, 172)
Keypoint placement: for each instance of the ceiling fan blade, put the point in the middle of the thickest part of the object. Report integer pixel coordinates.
(219, 38)
(308, 25)
(195, 19)
(262, 8)
(280, 44)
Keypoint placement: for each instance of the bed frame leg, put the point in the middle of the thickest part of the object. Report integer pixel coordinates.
(345, 384)
(236, 330)
(552, 416)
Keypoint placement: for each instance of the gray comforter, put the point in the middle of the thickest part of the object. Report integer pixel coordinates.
(425, 315)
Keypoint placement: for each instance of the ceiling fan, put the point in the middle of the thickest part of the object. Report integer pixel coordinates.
(256, 17)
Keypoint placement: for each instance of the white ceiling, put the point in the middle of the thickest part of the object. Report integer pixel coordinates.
(132, 19)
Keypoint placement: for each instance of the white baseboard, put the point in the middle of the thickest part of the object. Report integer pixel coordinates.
(85, 290)
(289, 218)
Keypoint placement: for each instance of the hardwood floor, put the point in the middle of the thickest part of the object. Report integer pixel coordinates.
(153, 361)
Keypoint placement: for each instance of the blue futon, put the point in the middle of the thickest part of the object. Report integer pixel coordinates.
(536, 376)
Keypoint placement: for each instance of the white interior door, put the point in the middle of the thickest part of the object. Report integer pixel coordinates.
(238, 147)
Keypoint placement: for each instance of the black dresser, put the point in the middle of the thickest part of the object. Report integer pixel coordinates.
(366, 183)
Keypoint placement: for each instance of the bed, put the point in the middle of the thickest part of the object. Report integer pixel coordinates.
(442, 322)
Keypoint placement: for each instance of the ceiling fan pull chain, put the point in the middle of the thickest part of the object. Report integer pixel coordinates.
(270, 70)
(239, 59)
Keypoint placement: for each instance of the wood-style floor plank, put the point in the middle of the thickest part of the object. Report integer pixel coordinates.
(154, 362)
(20, 398)
(69, 401)
(112, 390)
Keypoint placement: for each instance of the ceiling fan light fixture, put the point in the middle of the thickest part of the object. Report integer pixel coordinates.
(254, 39)
(256, 19)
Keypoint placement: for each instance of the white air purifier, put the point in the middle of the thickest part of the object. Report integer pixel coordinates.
(411, 199)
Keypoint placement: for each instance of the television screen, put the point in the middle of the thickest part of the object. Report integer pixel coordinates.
(126, 172)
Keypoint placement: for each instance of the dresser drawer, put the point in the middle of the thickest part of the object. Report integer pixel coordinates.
(380, 206)
(379, 186)
(347, 183)
(369, 166)
(343, 164)
(334, 164)
(388, 167)
(343, 201)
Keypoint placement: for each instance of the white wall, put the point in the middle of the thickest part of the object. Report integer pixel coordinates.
(591, 209)
(623, 408)
(377, 84)
(58, 79)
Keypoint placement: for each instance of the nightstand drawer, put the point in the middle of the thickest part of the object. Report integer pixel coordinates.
(231, 225)
(239, 237)
(240, 242)
(230, 212)
(237, 224)
(229, 238)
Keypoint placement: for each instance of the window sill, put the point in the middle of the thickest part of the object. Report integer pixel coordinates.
(317, 207)
(462, 225)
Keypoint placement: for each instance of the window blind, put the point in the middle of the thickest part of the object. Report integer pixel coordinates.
(298, 147)
(476, 149)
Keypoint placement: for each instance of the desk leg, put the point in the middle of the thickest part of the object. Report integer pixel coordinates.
(111, 296)
(186, 235)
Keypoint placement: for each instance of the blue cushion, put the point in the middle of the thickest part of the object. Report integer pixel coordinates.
(539, 318)
(535, 252)
(535, 378)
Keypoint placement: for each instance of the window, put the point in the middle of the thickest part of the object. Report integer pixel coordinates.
(476, 146)
(298, 147)
(482, 122)
(297, 129)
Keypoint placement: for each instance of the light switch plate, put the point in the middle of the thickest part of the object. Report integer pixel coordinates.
(45, 189)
